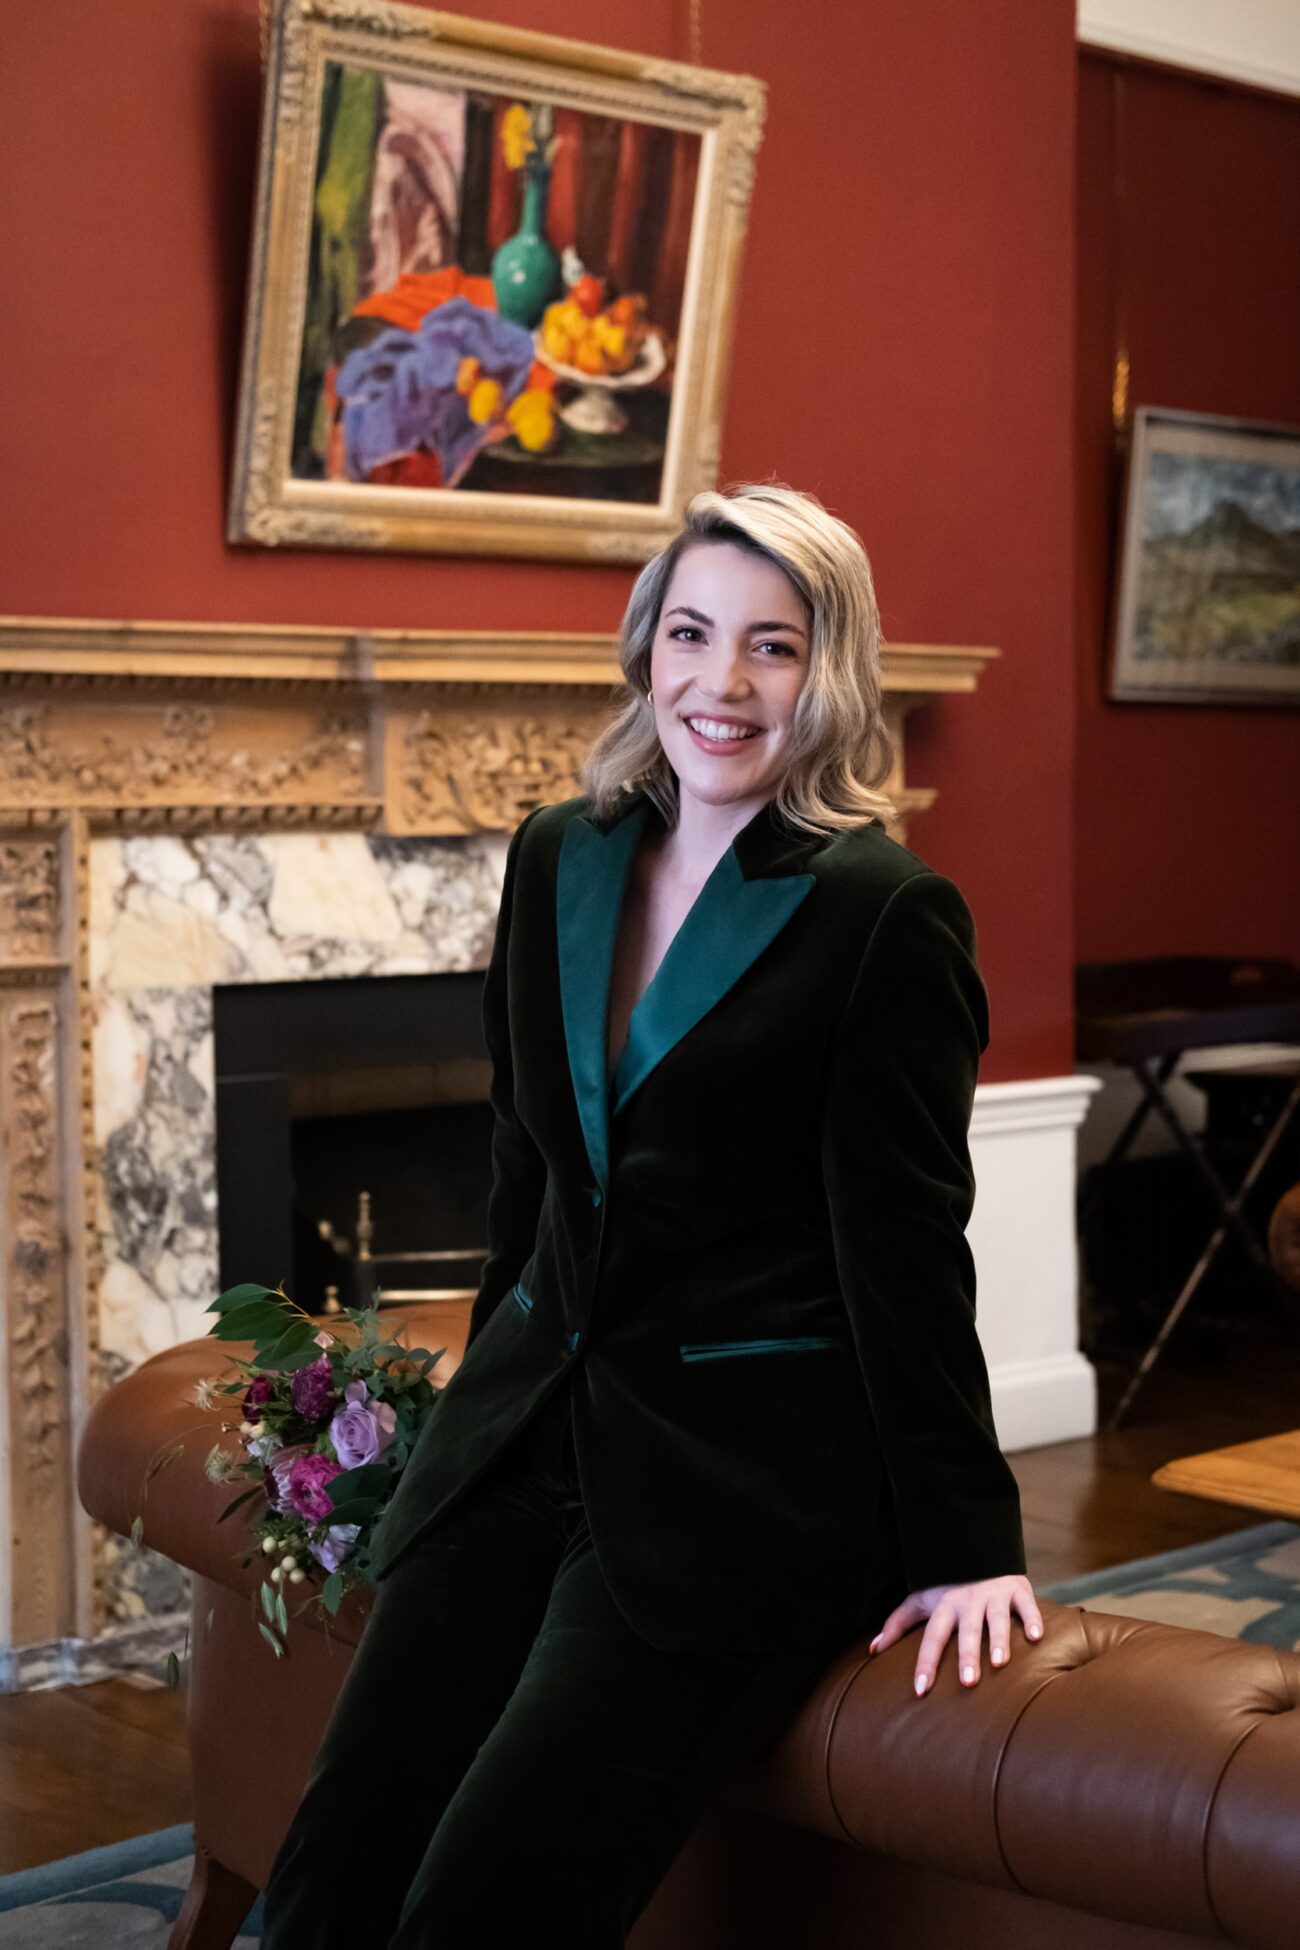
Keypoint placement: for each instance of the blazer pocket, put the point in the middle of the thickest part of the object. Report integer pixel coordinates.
(522, 1299)
(723, 1350)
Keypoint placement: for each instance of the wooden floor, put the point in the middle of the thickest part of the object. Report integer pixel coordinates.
(87, 1765)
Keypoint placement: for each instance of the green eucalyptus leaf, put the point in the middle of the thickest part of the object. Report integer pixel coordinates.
(271, 1639)
(367, 1479)
(281, 1615)
(332, 1592)
(268, 1599)
(294, 1346)
(137, 1529)
(173, 1671)
(258, 1320)
(255, 1491)
(238, 1296)
(359, 1509)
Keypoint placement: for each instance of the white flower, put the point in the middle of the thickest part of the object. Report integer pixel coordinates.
(220, 1467)
(263, 1447)
(206, 1392)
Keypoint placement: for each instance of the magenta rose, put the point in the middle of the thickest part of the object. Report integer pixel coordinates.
(362, 1428)
(312, 1388)
(307, 1481)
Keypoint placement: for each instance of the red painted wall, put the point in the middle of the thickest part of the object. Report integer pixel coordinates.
(904, 351)
(1187, 817)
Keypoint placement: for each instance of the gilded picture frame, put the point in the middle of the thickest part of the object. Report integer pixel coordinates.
(1206, 605)
(493, 288)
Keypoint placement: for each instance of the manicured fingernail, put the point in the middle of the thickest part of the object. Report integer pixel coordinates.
(921, 1682)
(968, 1675)
(998, 1655)
(873, 1645)
(1035, 1631)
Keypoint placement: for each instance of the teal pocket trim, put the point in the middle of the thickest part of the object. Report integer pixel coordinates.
(522, 1298)
(719, 1350)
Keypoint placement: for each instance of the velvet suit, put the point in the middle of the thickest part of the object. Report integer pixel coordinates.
(745, 1260)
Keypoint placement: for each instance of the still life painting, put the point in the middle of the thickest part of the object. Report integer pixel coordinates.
(493, 290)
(1207, 604)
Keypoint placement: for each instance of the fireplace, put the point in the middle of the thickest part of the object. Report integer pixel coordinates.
(353, 1138)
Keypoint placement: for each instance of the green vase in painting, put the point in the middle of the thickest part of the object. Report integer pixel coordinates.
(525, 270)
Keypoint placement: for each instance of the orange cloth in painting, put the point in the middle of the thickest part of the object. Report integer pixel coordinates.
(417, 292)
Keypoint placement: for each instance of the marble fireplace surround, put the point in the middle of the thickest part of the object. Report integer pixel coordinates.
(188, 805)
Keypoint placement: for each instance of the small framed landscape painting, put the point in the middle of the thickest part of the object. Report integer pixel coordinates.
(1207, 601)
(493, 290)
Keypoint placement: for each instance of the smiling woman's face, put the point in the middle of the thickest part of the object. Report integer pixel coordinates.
(728, 662)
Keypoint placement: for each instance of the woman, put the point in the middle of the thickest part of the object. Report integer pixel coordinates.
(722, 1406)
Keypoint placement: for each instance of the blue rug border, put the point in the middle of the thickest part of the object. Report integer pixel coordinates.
(1138, 1571)
(71, 1874)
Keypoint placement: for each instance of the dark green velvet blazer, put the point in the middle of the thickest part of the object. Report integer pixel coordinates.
(749, 1252)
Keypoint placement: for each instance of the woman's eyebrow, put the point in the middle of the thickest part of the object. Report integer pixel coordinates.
(684, 609)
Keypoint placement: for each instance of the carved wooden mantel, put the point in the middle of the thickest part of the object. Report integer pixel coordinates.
(115, 726)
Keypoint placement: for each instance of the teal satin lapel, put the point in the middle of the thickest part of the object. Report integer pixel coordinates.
(728, 927)
(730, 923)
(590, 878)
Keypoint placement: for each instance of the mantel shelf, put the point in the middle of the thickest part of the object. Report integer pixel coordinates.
(117, 653)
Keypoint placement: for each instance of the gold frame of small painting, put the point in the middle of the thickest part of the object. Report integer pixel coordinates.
(493, 289)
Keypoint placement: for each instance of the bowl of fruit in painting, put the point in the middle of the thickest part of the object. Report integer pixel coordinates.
(600, 348)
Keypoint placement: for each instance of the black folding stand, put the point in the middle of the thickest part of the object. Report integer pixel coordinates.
(1146, 1015)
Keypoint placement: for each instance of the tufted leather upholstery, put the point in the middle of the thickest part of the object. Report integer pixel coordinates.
(1119, 1786)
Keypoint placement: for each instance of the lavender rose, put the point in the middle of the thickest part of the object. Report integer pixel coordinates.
(363, 1428)
(335, 1545)
(311, 1389)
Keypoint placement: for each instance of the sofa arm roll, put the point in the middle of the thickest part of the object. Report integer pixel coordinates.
(1144, 1772)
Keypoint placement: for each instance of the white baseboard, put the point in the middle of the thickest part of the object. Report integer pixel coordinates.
(139, 1649)
(1022, 1233)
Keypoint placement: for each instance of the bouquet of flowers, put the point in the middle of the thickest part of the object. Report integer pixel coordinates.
(327, 1425)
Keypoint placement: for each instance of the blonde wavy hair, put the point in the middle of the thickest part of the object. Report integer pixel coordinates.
(841, 749)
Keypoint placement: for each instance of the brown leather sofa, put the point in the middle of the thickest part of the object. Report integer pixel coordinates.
(1118, 1786)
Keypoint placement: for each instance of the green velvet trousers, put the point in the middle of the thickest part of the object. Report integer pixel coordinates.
(509, 1766)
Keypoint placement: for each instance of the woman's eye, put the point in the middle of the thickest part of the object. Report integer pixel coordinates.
(689, 630)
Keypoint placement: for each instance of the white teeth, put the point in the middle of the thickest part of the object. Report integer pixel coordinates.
(710, 728)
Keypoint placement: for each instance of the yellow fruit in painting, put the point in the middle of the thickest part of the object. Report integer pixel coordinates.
(516, 135)
(588, 356)
(485, 401)
(610, 337)
(557, 344)
(532, 419)
(467, 376)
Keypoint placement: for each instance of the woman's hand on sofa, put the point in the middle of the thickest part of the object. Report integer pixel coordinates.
(967, 1607)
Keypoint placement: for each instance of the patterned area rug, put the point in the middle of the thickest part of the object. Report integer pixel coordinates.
(121, 1898)
(1246, 1586)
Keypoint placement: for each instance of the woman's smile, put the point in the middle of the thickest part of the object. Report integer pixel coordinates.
(721, 737)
